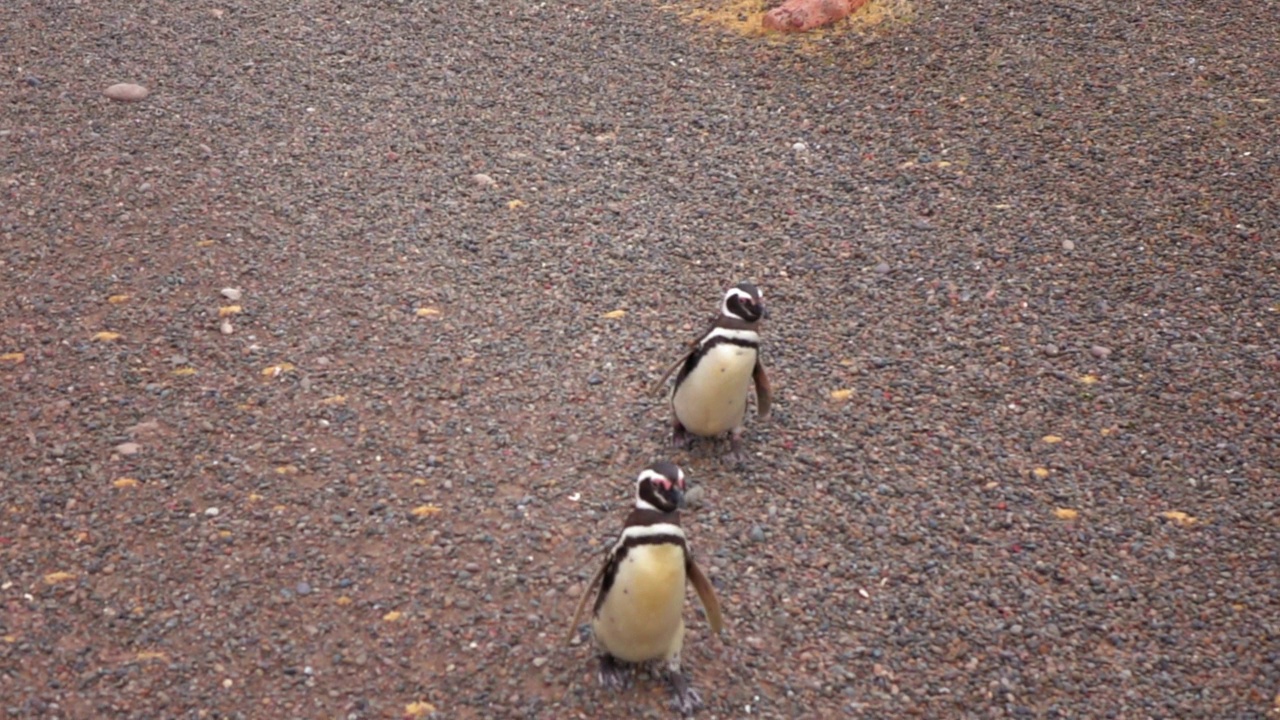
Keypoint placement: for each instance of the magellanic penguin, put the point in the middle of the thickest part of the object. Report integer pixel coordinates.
(710, 393)
(638, 615)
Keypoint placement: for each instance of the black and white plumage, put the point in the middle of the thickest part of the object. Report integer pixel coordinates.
(638, 615)
(709, 397)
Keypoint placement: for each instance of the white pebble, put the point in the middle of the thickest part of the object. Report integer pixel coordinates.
(126, 92)
(484, 180)
(800, 147)
(226, 327)
(212, 512)
(1068, 245)
(231, 294)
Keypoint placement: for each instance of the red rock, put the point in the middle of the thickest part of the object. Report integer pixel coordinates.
(804, 15)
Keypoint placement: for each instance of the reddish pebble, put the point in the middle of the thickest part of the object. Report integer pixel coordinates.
(126, 92)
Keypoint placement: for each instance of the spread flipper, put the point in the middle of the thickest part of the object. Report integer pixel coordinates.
(693, 347)
(582, 602)
(706, 594)
(662, 382)
(764, 394)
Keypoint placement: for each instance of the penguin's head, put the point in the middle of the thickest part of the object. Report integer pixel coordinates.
(660, 487)
(744, 301)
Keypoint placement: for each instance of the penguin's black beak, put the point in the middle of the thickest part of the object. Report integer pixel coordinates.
(679, 498)
(764, 312)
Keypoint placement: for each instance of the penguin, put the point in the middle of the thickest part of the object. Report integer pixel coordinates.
(638, 615)
(709, 397)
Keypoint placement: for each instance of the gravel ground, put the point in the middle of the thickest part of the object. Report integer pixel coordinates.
(1035, 243)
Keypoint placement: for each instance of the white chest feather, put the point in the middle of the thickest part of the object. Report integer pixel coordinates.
(713, 398)
(641, 618)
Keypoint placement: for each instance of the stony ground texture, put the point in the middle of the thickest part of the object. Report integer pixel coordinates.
(1031, 247)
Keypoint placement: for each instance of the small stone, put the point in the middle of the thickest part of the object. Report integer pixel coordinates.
(303, 588)
(129, 448)
(539, 662)
(594, 379)
(226, 327)
(232, 294)
(483, 180)
(1068, 245)
(1102, 352)
(212, 512)
(1051, 350)
(126, 92)
(800, 147)
(808, 459)
(693, 498)
(757, 534)
(882, 269)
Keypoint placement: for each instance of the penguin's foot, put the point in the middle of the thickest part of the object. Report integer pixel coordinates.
(680, 438)
(613, 674)
(736, 455)
(683, 697)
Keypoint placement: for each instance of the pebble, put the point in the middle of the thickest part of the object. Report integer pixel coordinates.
(129, 448)
(594, 379)
(126, 92)
(757, 534)
(539, 662)
(484, 180)
(800, 147)
(808, 459)
(226, 327)
(303, 588)
(1102, 352)
(1051, 350)
(231, 293)
(882, 268)
(1068, 245)
(693, 498)
(211, 512)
